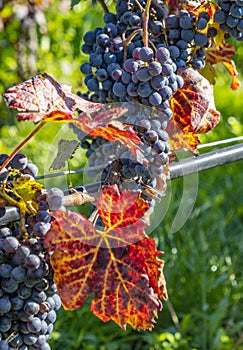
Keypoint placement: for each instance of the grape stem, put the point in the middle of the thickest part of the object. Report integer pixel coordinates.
(145, 23)
(21, 145)
(127, 40)
(103, 5)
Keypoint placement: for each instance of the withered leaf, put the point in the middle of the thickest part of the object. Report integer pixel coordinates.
(43, 98)
(66, 150)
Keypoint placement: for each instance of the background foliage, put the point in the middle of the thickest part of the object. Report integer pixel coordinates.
(204, 258)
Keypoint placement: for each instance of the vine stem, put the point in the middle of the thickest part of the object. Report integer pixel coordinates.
(21, 145)
(104, 6)
(145, 23)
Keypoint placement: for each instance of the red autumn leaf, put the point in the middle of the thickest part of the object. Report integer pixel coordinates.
(119, 266)
(104, 124)
(224, 55)
(43, 98)
(193, 105)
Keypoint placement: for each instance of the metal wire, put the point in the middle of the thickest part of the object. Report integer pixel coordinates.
(177, 169)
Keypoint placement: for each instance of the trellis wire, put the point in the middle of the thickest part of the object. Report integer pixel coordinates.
(177, 169)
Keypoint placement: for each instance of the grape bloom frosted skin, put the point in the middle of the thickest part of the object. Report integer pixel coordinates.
(28, 295)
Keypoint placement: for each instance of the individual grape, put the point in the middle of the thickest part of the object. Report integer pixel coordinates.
(162, 54)
(110, 17)
(111, 30)
(32, 262)
(5, 270)
(166, 93)
(187, 35)
(89, 37)
(132, 89)
(18, 274)
(19, 161)
(119, 89)
(17, 303)
(116, 74)
(232, 21)
(174, 52)
(30, 169)
(16, 341)
(10, 244)
(200, 39)
(154, 68)
(3, 158)
(126, 78)
(86, 68)
(142, 74)
(198, 63)
(155, 99)
(31, 308)
(5, 324)
(142, 125)
(159, 146)
(172, 22)
(3, 174)
(30, 339)
(236, 11)
(101, 74)
(239, 2)
(211, 32)
(146, 54)
(144, 89)
(40, 229)
(130, 65)
(24, 292)
(161, 159)
(167, 69)
(4, 345)
(150, 137)
(220, 16)
(108, 58)
(5, 304)
(201, 23)
(43, 216)
(185, 22)
(158, 82)
(93, 84)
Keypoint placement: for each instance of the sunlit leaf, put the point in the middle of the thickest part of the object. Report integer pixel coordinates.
(22, 193)
(119, 266)
(43, 98)
(179, 139)
(193, 105)
(225, 56)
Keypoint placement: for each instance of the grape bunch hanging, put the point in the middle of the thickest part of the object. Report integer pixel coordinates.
(142, 78)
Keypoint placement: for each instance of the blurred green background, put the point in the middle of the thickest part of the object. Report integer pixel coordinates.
(204, 258)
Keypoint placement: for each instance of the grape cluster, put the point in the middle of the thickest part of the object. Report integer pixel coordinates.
(28, 295)
(19, 162)
(123, 69)
(230, 18)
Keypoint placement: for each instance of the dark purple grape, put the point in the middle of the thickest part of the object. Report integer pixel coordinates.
(19, 161)
(150, 137)
(32, 261)
(10, 244)
(146, 54)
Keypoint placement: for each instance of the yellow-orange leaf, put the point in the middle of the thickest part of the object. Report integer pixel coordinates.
(224, 56)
